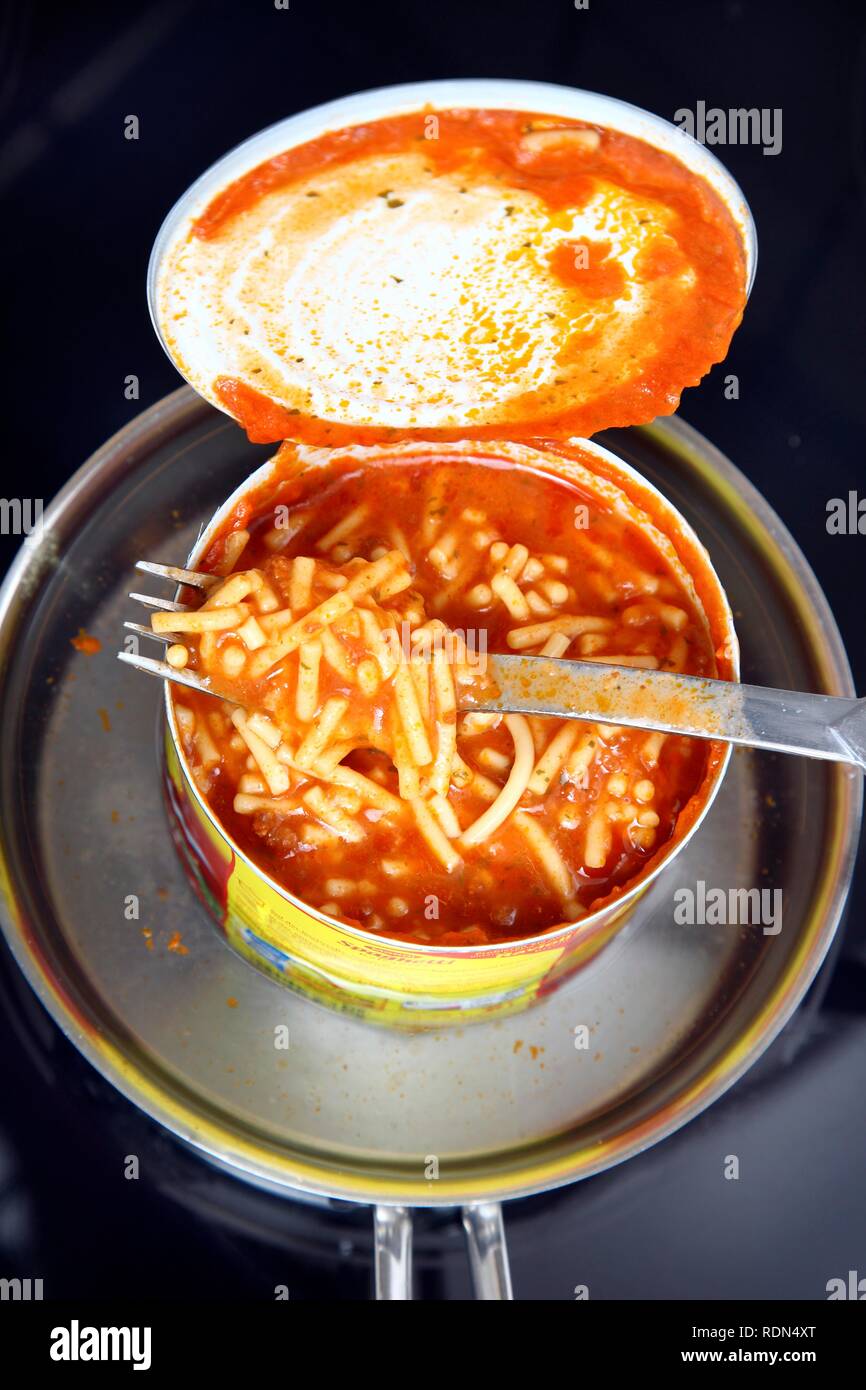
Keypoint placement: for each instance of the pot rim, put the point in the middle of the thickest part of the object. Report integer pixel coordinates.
(512, 1175)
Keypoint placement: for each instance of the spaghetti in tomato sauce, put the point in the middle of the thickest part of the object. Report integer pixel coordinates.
(347, 629)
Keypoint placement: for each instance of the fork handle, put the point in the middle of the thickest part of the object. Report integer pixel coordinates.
(822, 726)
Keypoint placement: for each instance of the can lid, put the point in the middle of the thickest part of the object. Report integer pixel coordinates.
(462, 271)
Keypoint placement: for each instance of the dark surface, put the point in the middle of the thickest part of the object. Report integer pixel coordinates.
(82, 206)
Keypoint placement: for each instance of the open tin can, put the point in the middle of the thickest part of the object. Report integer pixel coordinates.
(369, 975)
(384, 979)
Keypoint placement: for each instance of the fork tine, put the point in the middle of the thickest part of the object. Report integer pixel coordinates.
(166, 672)
(166, 604)
(143, 631)
(177, 575)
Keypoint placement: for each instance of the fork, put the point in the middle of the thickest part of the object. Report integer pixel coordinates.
(788, 721)
(193, 579)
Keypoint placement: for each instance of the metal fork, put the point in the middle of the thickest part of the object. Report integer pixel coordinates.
(194, 579)
(787, 721)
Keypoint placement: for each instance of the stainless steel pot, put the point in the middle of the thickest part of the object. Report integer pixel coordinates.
(183, 1028)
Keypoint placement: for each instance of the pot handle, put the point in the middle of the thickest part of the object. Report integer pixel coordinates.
(485, 1241)
(488, 1252)
(392, 1234)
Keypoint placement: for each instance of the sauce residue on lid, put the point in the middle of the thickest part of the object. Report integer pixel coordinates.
(455, 273)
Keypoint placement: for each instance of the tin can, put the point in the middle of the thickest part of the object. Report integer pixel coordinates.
(409, 984)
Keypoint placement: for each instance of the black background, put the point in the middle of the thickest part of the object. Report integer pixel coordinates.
(81, 208)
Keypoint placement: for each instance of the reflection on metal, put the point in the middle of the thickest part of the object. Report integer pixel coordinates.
(392, 1229)
(488, 1253)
